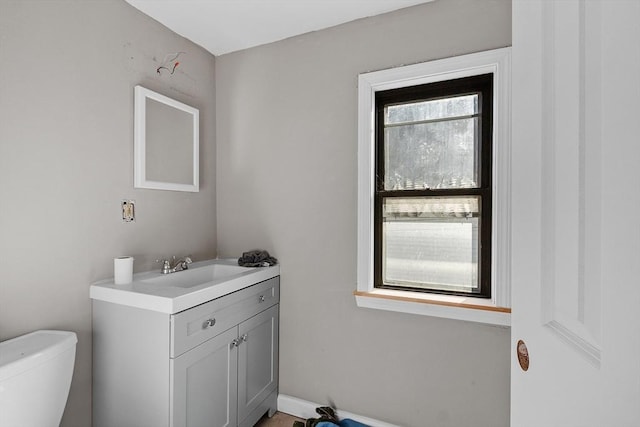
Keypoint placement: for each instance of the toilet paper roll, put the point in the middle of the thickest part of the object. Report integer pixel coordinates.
(122, 270)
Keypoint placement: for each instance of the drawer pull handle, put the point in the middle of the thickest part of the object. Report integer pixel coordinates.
(261, 298)
(208, 323)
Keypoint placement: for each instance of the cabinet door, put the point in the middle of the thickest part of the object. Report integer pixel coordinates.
(257, 360)
(204, 384)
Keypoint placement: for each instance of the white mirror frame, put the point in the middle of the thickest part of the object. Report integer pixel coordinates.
(140, 142)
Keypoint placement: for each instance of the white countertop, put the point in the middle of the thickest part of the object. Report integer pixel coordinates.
(173, 299)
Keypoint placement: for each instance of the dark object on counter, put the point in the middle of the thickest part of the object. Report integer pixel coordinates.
(256, 258)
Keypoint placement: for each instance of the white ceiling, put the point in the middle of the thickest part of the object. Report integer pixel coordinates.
(223, 26)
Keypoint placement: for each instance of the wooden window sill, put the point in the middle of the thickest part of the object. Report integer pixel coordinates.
(444, 306)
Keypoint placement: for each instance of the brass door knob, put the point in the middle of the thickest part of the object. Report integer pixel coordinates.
(523, 355)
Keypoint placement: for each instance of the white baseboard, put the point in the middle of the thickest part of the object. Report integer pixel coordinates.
(305, 409)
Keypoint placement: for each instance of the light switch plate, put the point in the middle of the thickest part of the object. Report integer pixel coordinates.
(128, 210)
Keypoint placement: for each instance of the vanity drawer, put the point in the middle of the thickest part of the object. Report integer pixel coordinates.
(192, 327)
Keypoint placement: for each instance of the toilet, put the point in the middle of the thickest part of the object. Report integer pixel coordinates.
(35, 377)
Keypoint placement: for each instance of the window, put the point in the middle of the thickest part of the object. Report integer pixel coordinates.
(433, 187)
(432, 203)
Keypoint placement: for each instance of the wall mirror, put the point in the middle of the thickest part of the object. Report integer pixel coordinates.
(166, 143)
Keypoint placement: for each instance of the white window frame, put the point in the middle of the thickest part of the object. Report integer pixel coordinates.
(496, 310)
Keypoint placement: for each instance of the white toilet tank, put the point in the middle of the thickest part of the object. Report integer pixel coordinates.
(35, 377)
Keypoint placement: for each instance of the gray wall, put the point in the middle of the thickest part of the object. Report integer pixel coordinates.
(67, 74)
(286, 173)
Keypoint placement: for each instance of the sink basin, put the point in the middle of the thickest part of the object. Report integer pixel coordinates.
(196, 276)
(175, 292)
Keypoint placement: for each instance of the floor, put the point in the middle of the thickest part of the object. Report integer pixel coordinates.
(280, 419)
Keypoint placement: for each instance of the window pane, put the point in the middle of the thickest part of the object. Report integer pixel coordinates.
(431, 243)
(431, 155)
(431, 110)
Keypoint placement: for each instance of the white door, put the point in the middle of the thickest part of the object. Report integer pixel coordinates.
(576, 213)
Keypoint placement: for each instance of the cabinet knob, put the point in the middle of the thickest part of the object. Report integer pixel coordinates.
(244, 338)
(261, 298)
(234, 343)
(208, 323)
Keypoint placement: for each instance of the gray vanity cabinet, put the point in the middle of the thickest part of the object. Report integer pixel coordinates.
(214, 365)
(227, 380)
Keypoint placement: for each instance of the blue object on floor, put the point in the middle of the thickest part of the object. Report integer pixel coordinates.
(348, 422)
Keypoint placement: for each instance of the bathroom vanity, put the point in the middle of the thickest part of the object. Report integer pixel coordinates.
(193, 348)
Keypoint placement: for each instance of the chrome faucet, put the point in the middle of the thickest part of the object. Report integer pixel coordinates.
(179, 265)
